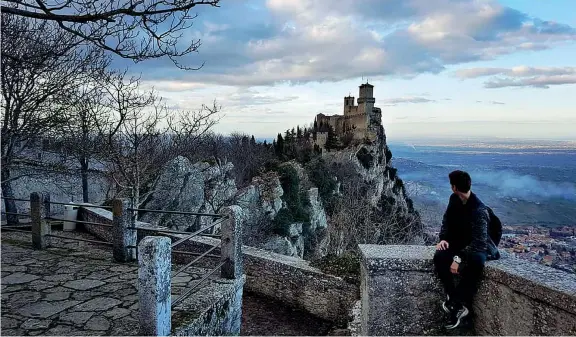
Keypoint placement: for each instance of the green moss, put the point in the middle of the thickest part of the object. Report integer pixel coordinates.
(182, 318)
(346, 265)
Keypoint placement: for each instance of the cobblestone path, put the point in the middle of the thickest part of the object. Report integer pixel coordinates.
(74, 289)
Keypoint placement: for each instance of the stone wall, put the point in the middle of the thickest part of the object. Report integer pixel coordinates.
(221, 313)
(401, 296)
(290, 280)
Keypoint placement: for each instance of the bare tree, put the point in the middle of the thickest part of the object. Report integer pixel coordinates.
(248, 157)
(80, 137)
(189, 128)
(357, 221)
(40, 64)
(133, 29)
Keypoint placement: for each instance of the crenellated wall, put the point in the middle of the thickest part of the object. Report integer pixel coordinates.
(401, 296)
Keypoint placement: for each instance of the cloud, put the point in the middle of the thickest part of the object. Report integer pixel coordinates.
(522, 76)
(409, 99)
(251, 43)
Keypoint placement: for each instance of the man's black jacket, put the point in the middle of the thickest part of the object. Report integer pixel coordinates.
(465, 226)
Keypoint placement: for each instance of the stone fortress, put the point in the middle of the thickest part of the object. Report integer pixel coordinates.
(361, 122)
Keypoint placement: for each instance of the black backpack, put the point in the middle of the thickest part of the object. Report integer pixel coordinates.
(494, 227)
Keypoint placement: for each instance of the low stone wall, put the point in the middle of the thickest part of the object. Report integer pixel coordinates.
(290, 280)
(401, 296)
(221, 311)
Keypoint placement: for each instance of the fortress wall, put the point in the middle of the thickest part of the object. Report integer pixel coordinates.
(401, 296)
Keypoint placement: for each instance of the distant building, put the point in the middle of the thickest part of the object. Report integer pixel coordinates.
(359, 122)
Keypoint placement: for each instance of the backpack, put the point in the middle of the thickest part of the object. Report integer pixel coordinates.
(494, 227)
(494, 235)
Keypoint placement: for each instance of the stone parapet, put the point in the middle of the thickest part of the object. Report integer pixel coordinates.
(401, 296)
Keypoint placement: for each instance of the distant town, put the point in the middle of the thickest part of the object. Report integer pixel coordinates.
(551, 247)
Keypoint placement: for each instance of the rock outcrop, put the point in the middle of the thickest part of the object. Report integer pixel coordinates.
(184, 186)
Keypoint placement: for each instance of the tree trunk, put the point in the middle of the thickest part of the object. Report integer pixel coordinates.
(7, 192)
(84, 173)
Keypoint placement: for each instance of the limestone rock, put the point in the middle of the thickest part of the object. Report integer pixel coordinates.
(316, 210)
(281, 245)
(180, 187)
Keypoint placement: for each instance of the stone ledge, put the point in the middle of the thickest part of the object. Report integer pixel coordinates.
(546, 284)
(538, 282)
(380, 259)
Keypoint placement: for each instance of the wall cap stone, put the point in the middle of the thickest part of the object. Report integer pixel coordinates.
(381, 258)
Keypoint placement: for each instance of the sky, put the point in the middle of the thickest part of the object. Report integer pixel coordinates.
(440, 68)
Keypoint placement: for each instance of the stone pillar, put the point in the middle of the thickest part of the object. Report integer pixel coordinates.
(231, 249)
(123, 236)
(154, 283)
(400, 294)
(40, 227)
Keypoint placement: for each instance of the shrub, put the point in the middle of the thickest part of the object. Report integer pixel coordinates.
(296, 201)
(346, 265)
(321, 176)
(388, 154)
(365, 158)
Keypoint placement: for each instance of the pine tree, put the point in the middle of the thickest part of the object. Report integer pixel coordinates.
(252, 140)
(279, 146)
(332, 140)
(298, 132)
(315, 126)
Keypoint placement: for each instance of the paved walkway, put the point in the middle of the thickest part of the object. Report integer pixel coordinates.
(74, 289)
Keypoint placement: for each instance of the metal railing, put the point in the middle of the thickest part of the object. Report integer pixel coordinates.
(47, 202)
(187, 236)
(124, 237)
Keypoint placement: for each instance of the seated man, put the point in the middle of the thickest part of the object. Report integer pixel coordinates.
(462, 249)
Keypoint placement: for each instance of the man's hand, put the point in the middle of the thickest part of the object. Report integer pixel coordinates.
(454, 268)
(442, 245)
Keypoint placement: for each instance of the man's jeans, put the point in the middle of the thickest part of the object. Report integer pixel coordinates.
(470, 271)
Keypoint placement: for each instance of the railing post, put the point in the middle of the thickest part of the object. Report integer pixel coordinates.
(123, 237)
(40, 227)
(154, 285)
(231, 243)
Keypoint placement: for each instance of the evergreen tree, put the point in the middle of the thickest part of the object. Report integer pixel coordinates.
(279, 146)
(252, 140)
(332, 140)
(315, 126)
(298, 132)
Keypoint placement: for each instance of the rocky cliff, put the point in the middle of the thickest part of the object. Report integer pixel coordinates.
(308, 210)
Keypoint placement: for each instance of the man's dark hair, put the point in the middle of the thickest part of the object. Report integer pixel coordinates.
(461, 180)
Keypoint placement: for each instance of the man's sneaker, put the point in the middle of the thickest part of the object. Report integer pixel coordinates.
(456, 317)
(446, 305)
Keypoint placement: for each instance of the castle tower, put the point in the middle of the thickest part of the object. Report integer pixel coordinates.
(348, 105)
(366, 99)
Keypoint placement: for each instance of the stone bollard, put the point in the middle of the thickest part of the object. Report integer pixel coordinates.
(39, 209)
(123, 236)
(154, 283)
(231, 243)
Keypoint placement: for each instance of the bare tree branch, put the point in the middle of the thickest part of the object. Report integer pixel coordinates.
(133, 29)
